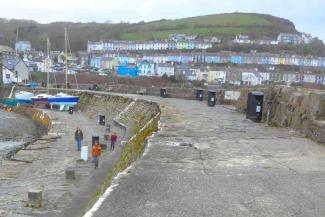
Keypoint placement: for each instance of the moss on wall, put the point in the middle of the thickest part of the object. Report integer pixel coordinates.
(132, 150)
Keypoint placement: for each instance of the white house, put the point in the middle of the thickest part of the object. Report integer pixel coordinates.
(307, 38)
(107, 46)
(290, 77)
(309, 78)
(265, 76)
(267, 42)
(165, 68)
(8, 76)
(94, 46)
(18, 68)
(203, 74)
(217, 75)
(251, 78)
(242, 39)
(287, 38)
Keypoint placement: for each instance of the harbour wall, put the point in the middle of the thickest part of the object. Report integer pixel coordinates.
(299, 109)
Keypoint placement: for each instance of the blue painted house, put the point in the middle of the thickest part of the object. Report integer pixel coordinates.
(212, 59)
(174, 58)
(237, 59)
(96, 62)
(185, 59)
(146, 68)
(323, 63)
(265, 60)
(128, 70)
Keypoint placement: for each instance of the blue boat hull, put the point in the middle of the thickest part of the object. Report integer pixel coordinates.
(15, 102)
(24, 100)
(64, 100)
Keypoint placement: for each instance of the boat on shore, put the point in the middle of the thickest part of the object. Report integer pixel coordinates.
(43, 97)
(10, 102)
(63, 99)
(41, 100)
(24, 97)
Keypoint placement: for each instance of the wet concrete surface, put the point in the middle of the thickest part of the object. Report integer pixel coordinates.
(15, 130)
(213, 162)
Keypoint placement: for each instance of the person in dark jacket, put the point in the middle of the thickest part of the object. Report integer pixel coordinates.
(78, 135)
(113, 141)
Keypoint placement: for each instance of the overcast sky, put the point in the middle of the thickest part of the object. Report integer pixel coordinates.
(308, 15)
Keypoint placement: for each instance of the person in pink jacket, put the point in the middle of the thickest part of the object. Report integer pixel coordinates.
(113, 141)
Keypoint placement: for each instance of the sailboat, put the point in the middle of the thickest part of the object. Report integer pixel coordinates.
(21, 97)
(24, 96)
(43, 98)
(62, 99)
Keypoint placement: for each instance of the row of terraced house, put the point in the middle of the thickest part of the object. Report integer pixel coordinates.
(111, 45)
(247, 76)
(211, 58)
(235, 76)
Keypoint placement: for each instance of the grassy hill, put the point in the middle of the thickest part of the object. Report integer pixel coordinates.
(222, 25)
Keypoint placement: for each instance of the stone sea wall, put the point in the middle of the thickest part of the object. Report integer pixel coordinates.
(138, 118)
(41, 120)
(129, 114)
(299, 109)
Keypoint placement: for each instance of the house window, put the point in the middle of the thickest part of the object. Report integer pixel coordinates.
(7, 76)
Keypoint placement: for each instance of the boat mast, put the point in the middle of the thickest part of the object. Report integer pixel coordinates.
(16, 39)
(66, 58)
(48, 63)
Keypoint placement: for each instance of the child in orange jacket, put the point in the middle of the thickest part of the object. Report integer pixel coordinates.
(96, 152)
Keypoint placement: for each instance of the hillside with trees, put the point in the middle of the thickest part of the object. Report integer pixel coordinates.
(222, 25)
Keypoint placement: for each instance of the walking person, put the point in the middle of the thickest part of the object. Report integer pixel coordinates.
(96, 152)
(78, 135)
(113, 141)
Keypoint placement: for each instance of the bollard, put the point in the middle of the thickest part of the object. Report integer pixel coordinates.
(101, 120)
(199, 94)
(163, 92)
(70, 173)
(70, 110)
(212, 98)
(94, 139)
(35, 198)
(254, 109)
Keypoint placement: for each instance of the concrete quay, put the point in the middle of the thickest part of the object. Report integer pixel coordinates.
(213, 162)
